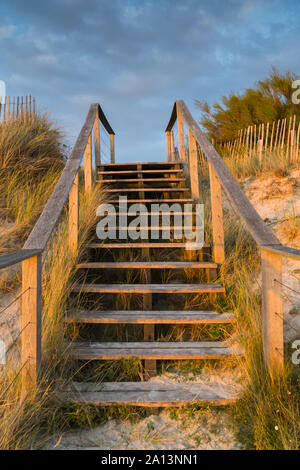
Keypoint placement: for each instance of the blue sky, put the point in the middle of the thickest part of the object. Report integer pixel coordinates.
(137, 57)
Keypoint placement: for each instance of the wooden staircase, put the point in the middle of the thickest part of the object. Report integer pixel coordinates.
(161, 182)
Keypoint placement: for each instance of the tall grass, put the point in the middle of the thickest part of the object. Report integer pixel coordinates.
(27, 423)
(268, 414)
(243, 165)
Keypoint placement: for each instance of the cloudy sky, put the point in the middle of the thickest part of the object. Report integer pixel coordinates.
(135, 57)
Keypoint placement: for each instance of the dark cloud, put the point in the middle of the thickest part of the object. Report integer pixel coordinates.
(136, 57)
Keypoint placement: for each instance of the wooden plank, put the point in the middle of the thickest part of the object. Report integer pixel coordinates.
(31, 322)
(272, 310)
(134, 164)
(168, 144)
(151, 350)
(154, 201)
(216, 217)
(148, 265)
(88, 173)
(74, 215)
(284, 251)
(148, 288)
(180, 170)
(180, 136)
(138, 245)
(194, 173)
(144, 180)
(149, 190)
(148, 394)
(97, 150)
(149, 316)
(16, 257)
(112, 148)
(256, 226)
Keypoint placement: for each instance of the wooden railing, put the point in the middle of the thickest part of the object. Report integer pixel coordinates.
(66, 189)
(17, 107)
(272, 251)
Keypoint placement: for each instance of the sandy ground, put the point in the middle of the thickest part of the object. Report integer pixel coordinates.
(277, 200)
(209, 428)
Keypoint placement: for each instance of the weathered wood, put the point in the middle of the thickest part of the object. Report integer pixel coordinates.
(259, 149)
(284, 251)
(148, 394)
(149, 190)
(138, 245)
(43, 228)
(74, 215)
(168, 144)
(180, 170)
(155, 201)
(31, 322)
(180, 136)
(148, 265)
(272, 310)
(17, 257)
(88, 170)
(172, 148)
(148, 288)
(194, 172)
(144, 180)
(97, 150)
(216, 216)
(257, 227)
(150, 350)
(149, 316)
(112, 148)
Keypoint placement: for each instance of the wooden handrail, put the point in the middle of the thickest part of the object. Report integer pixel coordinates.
(271, 250)
(256, 226)
(46, 223)
(16, 257)
(66, 188)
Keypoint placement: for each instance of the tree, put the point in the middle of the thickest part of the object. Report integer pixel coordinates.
(268, 101)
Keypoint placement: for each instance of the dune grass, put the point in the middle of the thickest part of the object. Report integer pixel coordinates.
(27, 423)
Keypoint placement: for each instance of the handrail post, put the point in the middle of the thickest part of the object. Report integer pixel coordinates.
(97, 141)
(172, 147)
(194, 173)
(217, 216)
(168, 142)
(74, 215)
(31, 322)
(180, 135)
(88, 179)
(112, 148)
(272, 310)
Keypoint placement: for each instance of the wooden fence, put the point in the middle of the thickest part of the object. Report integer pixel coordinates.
(271, 250)
(282, 135)
(17, 107)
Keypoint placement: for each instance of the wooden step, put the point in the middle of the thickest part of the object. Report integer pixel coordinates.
(123, 172)
(150, 350)
(149, 317)
(162, 164)
(149, 288)
(152, 190)
(148, 265)
(161, 213)
(140, 245)
(154, 201)
(148, 394)
(143, 180)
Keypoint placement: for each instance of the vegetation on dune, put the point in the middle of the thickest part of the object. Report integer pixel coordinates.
(269, 100)
(31, 160)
